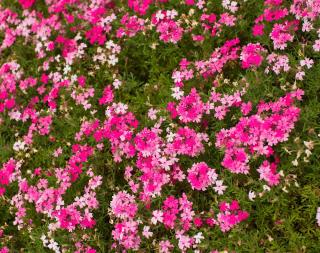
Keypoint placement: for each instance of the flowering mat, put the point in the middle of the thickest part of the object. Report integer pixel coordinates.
(159, 126)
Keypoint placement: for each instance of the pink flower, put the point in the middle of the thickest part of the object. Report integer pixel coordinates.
(57, 152)
(107, 96)
(26, 3)
(170, 211)
(4, 250)
(139, 6)
(190, 108)
(258, 134)
(165, 246)
(6, 173)
(316, 46)
(230, 215)
(246, 108)
(282, 33)
(197, 222)
(172, 109)
(251, 55)
(187, 142)
(200, 176)
(198, 37)
(123, 205)
(132, 25)
(268, 173)
(96, 35)
(169, 31)
(147, 142)
(227, 19)
(258, 30)
(68, 218)
(126, 234)
(189, 2)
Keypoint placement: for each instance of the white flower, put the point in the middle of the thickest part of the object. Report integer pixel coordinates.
(309, 144)
(54, 246)
(306, 62)
(198, 237)
(15, 115)
(220, 188)
(200, 4)
(157, 216)
(152, 113)
(172, 14)
(66, 69)
(113, 60)
(74, 78)
(170, 136)
(213, 176)
(44, 240)
(121, 108)
(146, 232)
(116, 83)
(159, 15)
(19, 145)
(308, 152)
(251, 195)
(176, 76)
(266, 188)
(109, 44)
(177, 93)
(318, 216)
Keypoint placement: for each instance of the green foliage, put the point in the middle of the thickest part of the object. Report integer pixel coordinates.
(279, 221)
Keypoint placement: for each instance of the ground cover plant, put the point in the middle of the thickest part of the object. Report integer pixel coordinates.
(159, 126)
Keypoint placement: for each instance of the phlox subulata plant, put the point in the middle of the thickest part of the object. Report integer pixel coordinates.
(153, 125)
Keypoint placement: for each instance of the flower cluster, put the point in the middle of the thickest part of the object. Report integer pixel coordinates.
(200, 176)
(258, 133)
(72, 119)
(230, 215)
(169, 29)
(6, 174)
(251, 55)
